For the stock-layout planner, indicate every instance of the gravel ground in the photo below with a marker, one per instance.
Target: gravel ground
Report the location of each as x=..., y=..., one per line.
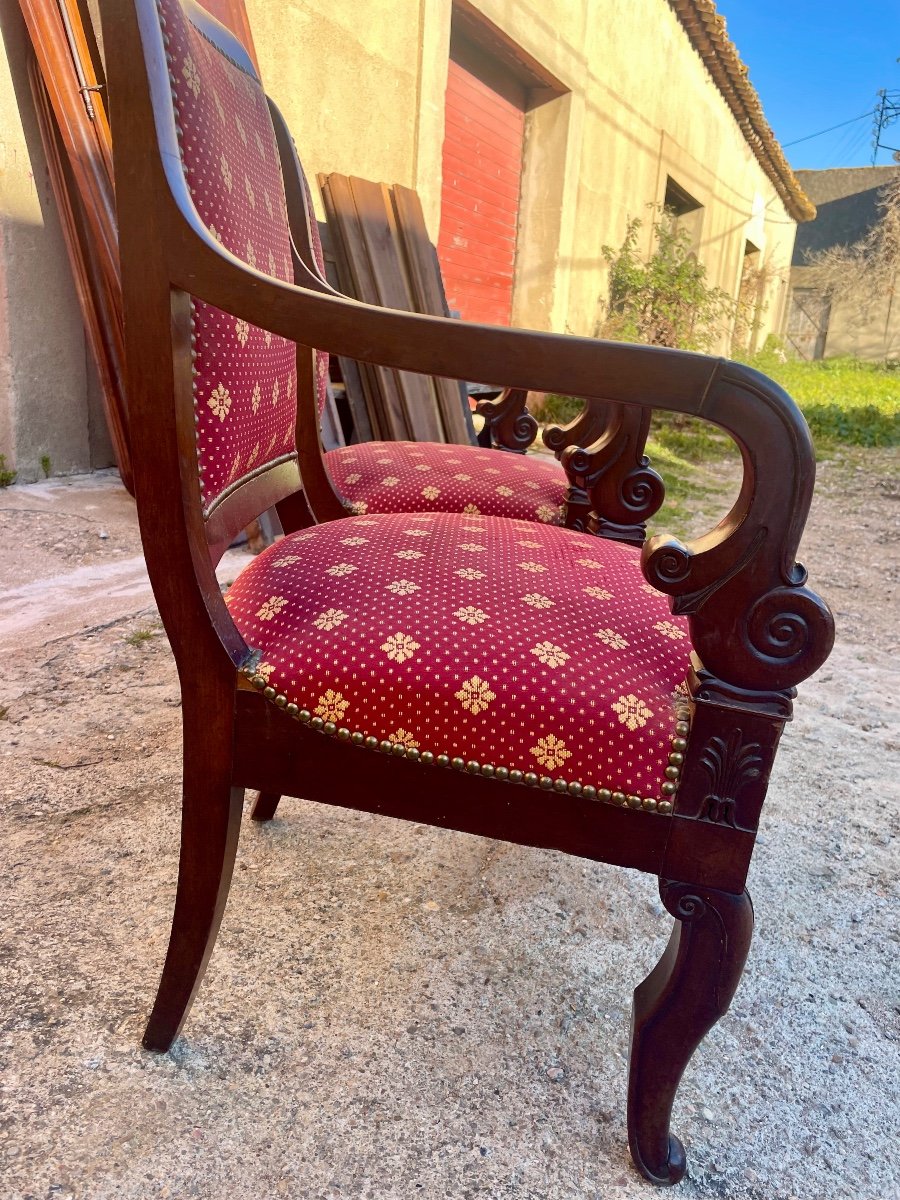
x=395, y=1011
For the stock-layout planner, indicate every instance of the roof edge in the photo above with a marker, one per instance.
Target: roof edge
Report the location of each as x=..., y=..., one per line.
x=706, y=30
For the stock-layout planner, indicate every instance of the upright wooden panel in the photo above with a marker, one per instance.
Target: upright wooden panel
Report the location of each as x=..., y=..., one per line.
x=355, y=389
x=428, y=296
x=384, y=257
x=382, y=390
x=66, y=85
x=482, y=170
x=378, y=228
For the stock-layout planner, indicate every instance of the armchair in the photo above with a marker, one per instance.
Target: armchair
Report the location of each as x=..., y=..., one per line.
x=602, y=719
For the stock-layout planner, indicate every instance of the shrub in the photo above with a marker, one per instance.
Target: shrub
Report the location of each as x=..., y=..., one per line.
x=665, y=301
x=6, y=477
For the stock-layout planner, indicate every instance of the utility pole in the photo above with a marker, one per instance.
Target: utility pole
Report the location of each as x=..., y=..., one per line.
x=887, y=111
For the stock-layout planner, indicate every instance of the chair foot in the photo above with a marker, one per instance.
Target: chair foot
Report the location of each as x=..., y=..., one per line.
x=210, y=823
x=265, y=806
x=681, y=999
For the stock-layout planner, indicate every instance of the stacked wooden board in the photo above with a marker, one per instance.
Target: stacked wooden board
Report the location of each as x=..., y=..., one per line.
x=383, y=255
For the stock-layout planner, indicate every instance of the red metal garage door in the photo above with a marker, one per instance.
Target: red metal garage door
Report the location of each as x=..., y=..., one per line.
x=482, y=169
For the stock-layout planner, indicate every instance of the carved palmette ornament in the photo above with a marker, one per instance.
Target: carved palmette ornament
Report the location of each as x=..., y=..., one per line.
x=731, y=763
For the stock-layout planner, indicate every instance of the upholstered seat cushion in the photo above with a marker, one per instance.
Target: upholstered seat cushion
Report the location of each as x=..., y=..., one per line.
x=384, y=477
x=530, y=649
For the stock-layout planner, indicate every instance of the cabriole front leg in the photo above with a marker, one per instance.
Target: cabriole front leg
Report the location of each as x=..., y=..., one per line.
x=681, y=999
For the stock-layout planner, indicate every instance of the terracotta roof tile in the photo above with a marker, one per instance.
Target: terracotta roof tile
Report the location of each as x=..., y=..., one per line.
x=706, y=29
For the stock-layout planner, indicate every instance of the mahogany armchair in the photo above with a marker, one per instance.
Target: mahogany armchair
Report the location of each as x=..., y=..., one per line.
x=629, y=704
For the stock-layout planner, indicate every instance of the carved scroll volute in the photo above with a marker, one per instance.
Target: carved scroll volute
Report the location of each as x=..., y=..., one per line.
x=753, y=622
x=623, y=491
x=511, y=424
x=586, y=429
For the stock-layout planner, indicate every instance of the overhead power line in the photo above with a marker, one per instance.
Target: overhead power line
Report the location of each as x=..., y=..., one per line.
x=830, y=129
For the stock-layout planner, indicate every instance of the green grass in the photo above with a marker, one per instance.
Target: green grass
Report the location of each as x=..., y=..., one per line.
x=685, y=480
x=846, y=401
x=139, y=636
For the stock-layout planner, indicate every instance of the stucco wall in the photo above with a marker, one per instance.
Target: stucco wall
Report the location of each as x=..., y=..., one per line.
x=362, y=87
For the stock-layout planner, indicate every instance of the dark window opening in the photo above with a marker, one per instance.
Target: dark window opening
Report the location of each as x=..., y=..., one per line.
x=684, y=211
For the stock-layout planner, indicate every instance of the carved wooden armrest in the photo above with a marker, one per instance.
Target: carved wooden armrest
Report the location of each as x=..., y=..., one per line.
x=754, y=623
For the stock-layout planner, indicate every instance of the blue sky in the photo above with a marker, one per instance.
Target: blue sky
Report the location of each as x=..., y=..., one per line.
x=816, y=63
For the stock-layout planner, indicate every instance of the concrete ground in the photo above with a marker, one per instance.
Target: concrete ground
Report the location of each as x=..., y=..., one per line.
x=394, y=1011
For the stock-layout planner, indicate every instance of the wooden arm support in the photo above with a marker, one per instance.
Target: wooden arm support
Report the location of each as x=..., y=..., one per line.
x=511, y=425
x=613, y=491
x=586, y=429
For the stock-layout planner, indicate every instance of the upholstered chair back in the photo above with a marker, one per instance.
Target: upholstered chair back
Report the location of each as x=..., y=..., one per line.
x=244, y=378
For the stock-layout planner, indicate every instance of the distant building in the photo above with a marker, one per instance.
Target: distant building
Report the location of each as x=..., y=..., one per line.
x=846, y=200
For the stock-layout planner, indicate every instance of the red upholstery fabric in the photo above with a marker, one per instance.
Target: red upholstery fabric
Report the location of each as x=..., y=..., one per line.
x=245, y=381
x=507, y=643
x=382, y=477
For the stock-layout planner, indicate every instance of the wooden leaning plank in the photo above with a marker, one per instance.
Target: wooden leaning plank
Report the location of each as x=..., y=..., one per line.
x=66, y=83
x=374, y=213
x=428, y=294
x=386, y=411
x=384, y=257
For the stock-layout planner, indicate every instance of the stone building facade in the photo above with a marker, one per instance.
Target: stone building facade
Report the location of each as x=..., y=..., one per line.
x=602, y=107
x=847, y=203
